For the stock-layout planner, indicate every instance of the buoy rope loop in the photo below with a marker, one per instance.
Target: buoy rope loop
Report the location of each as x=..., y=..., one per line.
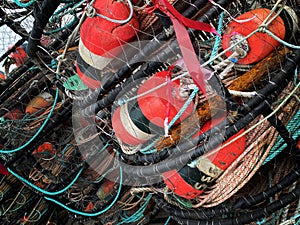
x=91, y=12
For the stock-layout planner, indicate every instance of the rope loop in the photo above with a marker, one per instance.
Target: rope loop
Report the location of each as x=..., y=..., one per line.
x=90, y=11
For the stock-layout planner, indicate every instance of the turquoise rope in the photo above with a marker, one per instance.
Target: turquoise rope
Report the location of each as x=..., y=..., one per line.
x=184, y=107
x=24, y=5
x=62, y=28
x=91, y=214
x=41, y=190
x=179, y=113
x=168, y=220
x=148, y=149
x=294, y=128
x=39, y=130
x=275, y=217
x=296, y=217
x=138, y=214
x=56, y=14
x=263, y=221
x=71, y=10
x=218, y=37
x=281, y=41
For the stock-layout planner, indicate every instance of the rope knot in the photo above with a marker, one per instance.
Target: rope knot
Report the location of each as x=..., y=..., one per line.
x=90, y=11
x=262, y=29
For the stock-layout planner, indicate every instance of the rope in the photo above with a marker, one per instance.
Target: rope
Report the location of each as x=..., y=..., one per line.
x=91, y=214
x=91, y=12
x=24, y=5
x=41, y=190
x=218, y=37
x=39, y=130
x=280, y=40
x=184, y=107
x=138, y=214
x=294, y=128
x=167, y=221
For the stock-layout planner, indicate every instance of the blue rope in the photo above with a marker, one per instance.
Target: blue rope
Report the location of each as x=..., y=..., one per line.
x=218, y=37
x=294, y=128
x=41, y=190
x=91, y=214
x=24, y=5
x=39, y=130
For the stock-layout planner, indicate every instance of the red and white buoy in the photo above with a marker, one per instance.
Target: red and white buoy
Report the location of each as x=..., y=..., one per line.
x=260, y=44
x=101, y=40
x=139, y=120
x=190, y=182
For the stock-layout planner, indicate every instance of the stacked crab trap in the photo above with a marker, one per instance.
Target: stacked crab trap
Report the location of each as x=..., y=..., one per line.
x=150, y=112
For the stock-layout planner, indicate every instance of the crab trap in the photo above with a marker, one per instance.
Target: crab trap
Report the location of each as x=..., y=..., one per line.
x=149, y=112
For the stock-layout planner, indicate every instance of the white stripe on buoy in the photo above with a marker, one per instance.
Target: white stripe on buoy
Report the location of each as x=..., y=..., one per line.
x=92, y=59
x=131, y=128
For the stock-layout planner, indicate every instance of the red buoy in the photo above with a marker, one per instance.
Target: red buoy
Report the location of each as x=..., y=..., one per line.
x=101, y=40
x=45, y=147
x=191, y=182
x=257, y=46
x=15, y=114
x=3, y=170
x=139, y=120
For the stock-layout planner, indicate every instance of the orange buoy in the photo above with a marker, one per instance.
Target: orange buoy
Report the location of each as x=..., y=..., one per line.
x=41, y=101
x=101, y=40
x=259, y=45
x=190, y=182
x=135, y=121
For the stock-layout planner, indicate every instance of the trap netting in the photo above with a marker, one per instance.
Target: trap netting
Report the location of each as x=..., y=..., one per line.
x=150, y=112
